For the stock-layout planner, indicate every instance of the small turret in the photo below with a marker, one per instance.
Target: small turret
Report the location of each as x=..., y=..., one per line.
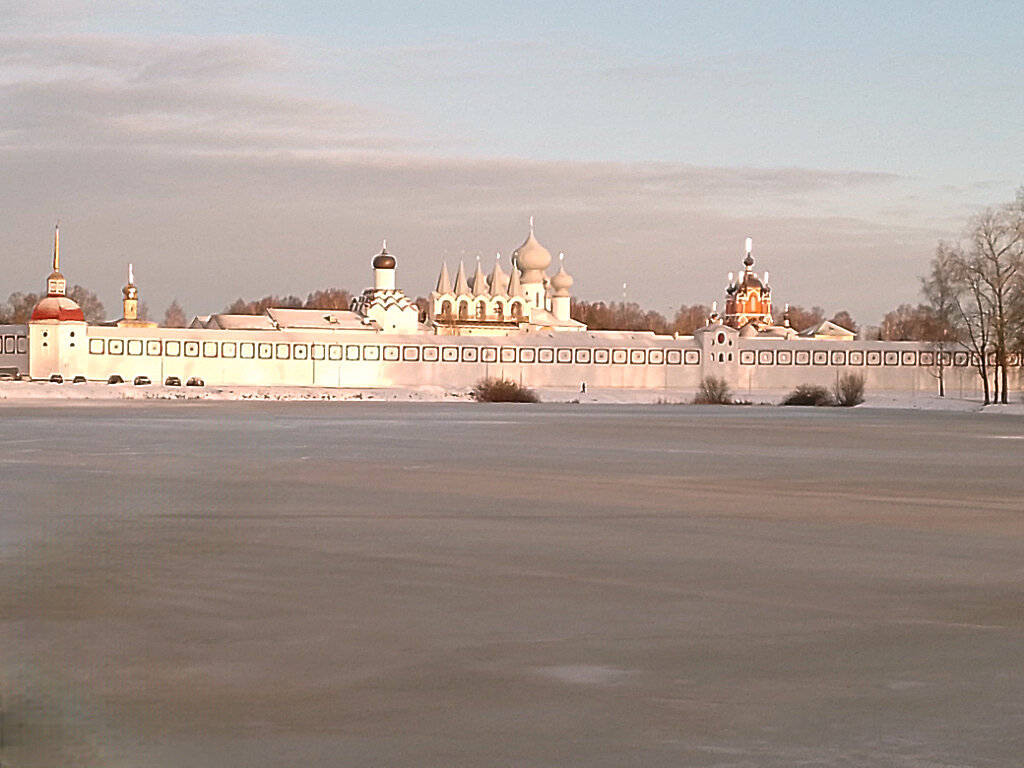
x=384, y=269
x=561, y=282
x=131, y=297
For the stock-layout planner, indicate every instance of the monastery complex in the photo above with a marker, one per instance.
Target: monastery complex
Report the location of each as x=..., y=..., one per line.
x=513, y=325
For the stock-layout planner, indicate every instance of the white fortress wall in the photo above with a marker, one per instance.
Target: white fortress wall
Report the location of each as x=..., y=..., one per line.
x=778, y=364
x=354, y=358
x=13, y=349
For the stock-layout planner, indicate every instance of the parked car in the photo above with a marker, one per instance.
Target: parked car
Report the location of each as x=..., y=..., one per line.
x=115, y=378
x=142, y=381
x=79, y=379
x=172, y=381
x=195, y=381
x=56, y=378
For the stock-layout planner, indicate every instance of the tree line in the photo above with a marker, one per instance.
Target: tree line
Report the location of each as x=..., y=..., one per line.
x=630, y=316
x=974, y=295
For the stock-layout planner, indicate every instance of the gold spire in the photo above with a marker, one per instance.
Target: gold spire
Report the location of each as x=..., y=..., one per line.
x=56, y=247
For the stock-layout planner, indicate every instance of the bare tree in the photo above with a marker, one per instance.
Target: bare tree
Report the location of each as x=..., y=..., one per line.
x=941, y=288
x=259, y=306
x=18, y=308
x=799, y=318
x=618, y=316
x=174, y=317
x=689, y=318
x=331, y=298
x=845, y=320
x=993, y=268
x=909, y=323
x=90, y=303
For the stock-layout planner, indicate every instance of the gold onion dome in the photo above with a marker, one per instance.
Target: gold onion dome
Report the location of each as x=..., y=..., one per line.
x=130, y=290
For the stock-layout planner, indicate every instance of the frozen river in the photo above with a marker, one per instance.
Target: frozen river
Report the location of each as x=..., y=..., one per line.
x=377, y=584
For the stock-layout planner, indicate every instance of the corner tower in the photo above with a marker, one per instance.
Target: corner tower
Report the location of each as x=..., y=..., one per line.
x=57, y=329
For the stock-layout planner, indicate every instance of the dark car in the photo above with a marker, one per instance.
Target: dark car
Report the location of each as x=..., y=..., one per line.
x=56, y=378
x=79, y=379
x=142, y=381
x=195, y=381
x=115, y=378
x=172, y=381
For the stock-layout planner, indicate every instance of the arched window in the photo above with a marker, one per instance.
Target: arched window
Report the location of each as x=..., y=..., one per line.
x=481, y=309
x=517, y=310
x=499, y=310
x=446, y=309
x=463, y=310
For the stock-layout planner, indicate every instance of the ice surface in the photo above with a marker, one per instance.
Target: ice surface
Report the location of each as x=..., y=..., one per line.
x=240, y=584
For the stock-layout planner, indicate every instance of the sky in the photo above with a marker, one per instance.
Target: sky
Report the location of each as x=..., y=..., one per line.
x=257, y=148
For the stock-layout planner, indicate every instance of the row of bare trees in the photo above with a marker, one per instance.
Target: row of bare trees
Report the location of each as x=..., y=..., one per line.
x=330, y=298
x=974, y=294
x=623, y=316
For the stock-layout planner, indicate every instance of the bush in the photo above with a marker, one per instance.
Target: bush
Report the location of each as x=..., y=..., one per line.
x=502, y=391
x=849, y=390
x=808, y=394
x=713, y=391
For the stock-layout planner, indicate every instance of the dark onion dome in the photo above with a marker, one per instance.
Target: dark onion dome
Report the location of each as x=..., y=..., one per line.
x=57, y=308
x=750, y=281
x=749, y=261
x=384, y=260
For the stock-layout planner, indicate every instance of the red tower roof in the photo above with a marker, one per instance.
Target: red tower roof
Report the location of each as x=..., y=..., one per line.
x=57, y=308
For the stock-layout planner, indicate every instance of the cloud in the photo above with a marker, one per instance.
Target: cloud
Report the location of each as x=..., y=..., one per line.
x=201, y=161
x=179, y=95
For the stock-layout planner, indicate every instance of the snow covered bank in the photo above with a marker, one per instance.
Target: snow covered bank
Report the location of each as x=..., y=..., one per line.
x=20, y=391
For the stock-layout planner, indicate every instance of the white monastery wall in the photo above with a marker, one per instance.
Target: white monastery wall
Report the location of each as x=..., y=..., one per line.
x=349, y=358
x=13, y=348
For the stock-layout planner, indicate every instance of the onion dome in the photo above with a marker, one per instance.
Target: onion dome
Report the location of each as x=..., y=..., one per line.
x=562, y=280
x=750, y=281
x=130, y=291
x=749, y=261
x=532, y=257
x=384, y=260
x=57, y=308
